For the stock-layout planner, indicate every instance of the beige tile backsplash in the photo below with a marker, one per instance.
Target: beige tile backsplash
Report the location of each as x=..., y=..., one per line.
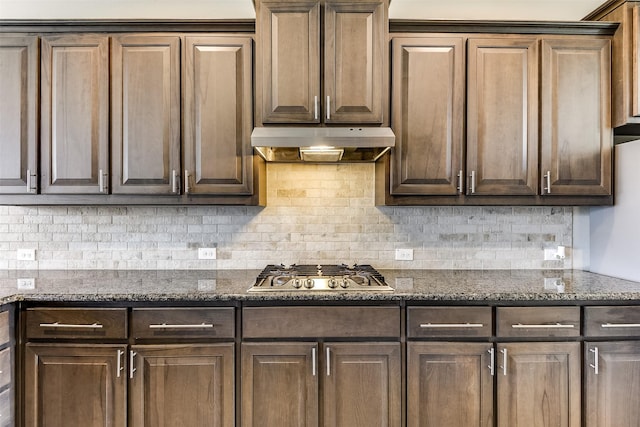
x=314, y=214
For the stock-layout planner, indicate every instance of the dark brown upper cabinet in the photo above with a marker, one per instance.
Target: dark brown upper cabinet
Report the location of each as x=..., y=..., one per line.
x=347, y=84
x=502, y=116
x=20, y=69
x=75, y=114
x=145, y=114
x=218, y=106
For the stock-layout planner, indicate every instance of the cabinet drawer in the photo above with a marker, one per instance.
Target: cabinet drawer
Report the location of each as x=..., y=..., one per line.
x=612, y=321
x=5, y=367
x=317, y=322
x=526, y=322
x=4, y=328
x=76, y=323
x=435, y=322
x=183, y=323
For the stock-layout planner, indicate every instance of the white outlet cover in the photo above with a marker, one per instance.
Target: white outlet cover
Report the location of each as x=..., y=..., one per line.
x=26, y=254
x=404, y=254
x=207, y=253
x=26, y=283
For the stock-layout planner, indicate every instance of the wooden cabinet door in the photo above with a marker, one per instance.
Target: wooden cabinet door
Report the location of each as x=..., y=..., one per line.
x=280, y=384
x=538, y=384
x=612, y=392
x=74, y=385
x=502, y=116
x=362, y=386
x=182, y=385
x=449, y=384
x=288, y=62
x=19, y=68
x=428, y=90
x=145, y=118
x=218, y=115
x=355, y=60
x=75, y=114
x=576, y=137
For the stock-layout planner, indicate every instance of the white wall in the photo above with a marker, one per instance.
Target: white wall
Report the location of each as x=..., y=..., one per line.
x=615, y=231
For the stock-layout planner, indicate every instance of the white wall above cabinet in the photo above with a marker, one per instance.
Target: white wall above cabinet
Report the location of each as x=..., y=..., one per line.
x=557, y=10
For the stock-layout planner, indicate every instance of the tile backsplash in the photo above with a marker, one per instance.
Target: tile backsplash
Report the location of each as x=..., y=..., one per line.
x=314, y=214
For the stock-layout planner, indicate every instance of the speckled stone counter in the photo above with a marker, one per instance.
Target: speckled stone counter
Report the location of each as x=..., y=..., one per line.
x=231, y=285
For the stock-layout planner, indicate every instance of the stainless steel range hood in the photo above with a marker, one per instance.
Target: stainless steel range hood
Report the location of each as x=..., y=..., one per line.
x=322, y=144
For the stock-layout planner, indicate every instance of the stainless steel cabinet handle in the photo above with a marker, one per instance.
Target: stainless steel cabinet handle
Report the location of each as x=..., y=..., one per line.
x=620, y=325
x=102, y=181
x=119, y=367
x=551, y=326
x=504, y=361
x=315, y=108
x=473, y=182
x=595, y=364
x=460, y=175
x=547, y=182
x=30, y=180
x=187, y=326
x=132, y=369
x=328, y=107
x=451, y=325
x=174, y=181
x=492, y=361
x=94, y=325
x=328, y=361
x=186, y=182
x=314, y=361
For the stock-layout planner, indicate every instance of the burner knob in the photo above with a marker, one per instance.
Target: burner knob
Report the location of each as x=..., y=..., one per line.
x=296, y=283
x=344, y=283
x=308, y=283
x=333, y=283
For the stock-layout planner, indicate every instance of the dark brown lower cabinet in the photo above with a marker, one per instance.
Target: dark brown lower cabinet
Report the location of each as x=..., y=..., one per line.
x=449, y=384
x=182, y=385
x=75, y=385
x=612, y=389
x=361, y=384
x=538, y=384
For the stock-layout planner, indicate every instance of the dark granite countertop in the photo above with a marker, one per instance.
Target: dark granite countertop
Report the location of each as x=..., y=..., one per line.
x=454, y=286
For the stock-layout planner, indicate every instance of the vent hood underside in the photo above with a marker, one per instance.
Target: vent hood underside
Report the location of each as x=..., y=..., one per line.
x=322, y=144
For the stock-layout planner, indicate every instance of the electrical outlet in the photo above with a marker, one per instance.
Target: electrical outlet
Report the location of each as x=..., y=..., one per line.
x=404, y=254
x=26, y=254
x=27, y=283
x=207, y=253
x=550, y=255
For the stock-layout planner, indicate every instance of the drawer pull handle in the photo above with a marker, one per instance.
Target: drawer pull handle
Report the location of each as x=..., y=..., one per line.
x=71, y=325
x=169, y=326
x=451, y=325
x=552, y=326
x=621, y=325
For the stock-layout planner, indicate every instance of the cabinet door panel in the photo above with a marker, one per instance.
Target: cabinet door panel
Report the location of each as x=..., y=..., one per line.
x=449, y=384
x=183, y=385
x=145, y=114
x=19, y=68
x=75, y=116
x=74, y=385
x=612, y=393
x=217, y=117
x=576, y=119
x=428, y=115
x=288, y=62
x=502, y=116
x=279, y=385
x=362, y=385
x=541, y=387
x=355, y=51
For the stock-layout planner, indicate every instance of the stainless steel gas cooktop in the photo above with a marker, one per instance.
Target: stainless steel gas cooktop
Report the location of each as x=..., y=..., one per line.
x=320, y=278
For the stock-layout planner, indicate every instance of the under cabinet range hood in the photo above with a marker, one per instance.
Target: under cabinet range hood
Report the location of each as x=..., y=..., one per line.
x=322, y=144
